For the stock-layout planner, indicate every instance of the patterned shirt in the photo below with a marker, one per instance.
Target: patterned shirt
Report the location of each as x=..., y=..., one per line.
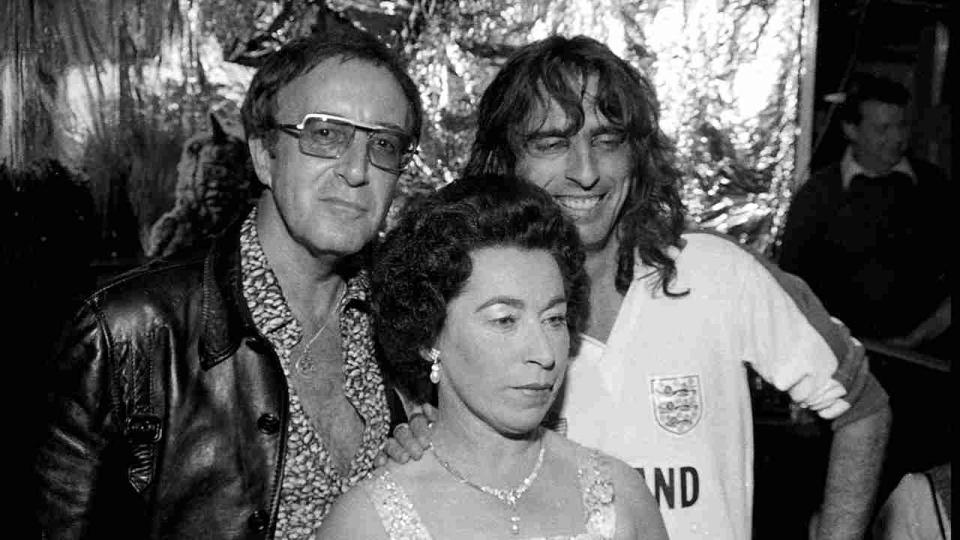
x=311, y=481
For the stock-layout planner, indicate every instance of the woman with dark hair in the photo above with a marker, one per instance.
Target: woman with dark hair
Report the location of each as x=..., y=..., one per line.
x=481, y=290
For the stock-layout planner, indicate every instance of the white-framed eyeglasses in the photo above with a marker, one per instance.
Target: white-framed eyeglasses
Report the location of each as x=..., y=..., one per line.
x=329, y=136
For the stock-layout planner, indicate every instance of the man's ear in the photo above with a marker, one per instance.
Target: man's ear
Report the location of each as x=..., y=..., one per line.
x=262, y=159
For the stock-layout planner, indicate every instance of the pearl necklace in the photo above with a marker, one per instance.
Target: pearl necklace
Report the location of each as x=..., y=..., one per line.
x=510, y=497
x=306, y=365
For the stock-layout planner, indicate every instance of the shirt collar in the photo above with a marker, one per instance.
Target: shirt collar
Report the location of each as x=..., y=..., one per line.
x=850, y=168
x=265, y=298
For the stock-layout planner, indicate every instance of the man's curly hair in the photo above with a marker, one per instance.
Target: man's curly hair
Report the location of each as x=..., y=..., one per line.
x=557, y=68
x=424, y=262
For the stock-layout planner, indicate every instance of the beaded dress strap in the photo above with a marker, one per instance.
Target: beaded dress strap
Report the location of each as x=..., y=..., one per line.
x=597, y=491
x=400, y=520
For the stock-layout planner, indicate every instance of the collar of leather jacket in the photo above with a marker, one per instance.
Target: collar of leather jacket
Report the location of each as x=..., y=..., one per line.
x=225, y=317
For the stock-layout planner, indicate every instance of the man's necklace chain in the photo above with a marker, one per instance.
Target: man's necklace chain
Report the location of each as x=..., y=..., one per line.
x=306, y=365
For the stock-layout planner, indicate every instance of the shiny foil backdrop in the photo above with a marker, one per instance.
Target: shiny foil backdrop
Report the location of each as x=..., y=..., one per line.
x=112, y=89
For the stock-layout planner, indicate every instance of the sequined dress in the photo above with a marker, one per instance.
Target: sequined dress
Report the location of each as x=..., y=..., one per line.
x=402, y=522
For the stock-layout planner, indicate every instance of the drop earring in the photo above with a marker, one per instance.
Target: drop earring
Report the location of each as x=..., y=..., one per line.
x=433, y=355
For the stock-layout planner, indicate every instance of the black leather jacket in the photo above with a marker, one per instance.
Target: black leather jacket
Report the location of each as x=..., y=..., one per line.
x=167, y=410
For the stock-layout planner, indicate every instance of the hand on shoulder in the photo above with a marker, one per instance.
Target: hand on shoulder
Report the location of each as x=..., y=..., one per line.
x=410, y=440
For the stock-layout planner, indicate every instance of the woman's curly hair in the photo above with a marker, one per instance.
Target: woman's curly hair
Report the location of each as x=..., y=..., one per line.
x=424, y=262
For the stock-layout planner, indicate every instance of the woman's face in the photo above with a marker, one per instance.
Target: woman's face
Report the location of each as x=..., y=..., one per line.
x=504, y=347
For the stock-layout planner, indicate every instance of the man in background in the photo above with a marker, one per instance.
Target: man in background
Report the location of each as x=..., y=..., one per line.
x=867, y=232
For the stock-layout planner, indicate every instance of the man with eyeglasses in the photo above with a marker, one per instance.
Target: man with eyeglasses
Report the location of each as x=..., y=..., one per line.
x=235, y=393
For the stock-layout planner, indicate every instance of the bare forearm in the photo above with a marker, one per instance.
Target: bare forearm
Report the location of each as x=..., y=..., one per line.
x=853, y=475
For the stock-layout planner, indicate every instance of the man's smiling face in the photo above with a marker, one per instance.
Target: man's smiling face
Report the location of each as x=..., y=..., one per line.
x=589, y=173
